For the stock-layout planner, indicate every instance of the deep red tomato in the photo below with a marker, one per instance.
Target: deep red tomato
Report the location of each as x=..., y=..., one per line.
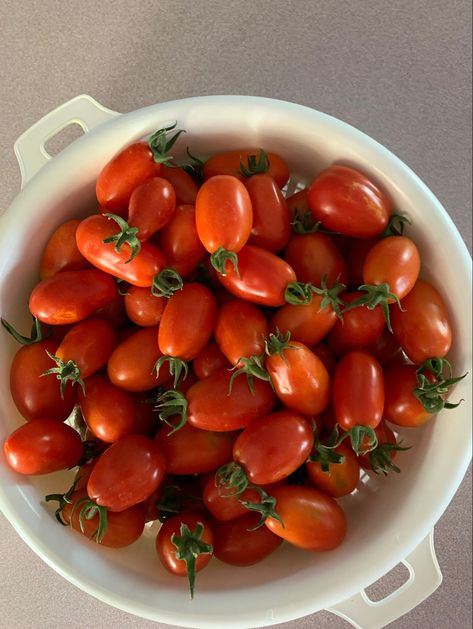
x=131, y=365
x=61, y=252
x=222, y=504
x=71, y=296
x=129, y=471
x=299, y=378
x=323, y=351
x=386, y=349
x=142, y=307
x=271, y=217
x=312, y=520
x=114, y=312
x=187, y=322
x=422, y=326
x=355, y=256
x=180, y=242
x=238, y=543
x=139, y=271
x=274, y=446
x=340, y=479
x=347, y=201
x=307, y=323
x=313, y=256
x=209, y=360
x=240, y=330
x=212, y=407
x=394, y=260
x=401, y=406
x=152, y=205
x=262, y=277
x=298, y=203
x=190, y=450
x=108, y=411
x=358, y=390
x=43, y=446
x=184, y=186
x=145, y=415
x=229, y=163
x=36, y=397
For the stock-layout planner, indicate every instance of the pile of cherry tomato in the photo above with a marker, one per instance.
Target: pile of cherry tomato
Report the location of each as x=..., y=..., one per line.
x=228, y=358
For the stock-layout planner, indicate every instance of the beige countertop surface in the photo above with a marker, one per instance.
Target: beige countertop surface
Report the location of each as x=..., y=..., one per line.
x=398, y=70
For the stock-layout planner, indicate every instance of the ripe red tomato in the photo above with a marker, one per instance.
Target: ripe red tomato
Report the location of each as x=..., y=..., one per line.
x=422, y=327
x=129, y=471
x=61, y=252
x=139, y=271
x=307, y=323
x=355, y=256
x=240, y=330
x=394, y=260
x=145, y=415
x=229, y=163
x=358, y=390
x=348, y=202
x=71, y=296
x=142, y=307
x=238, y=543
x=271, y=217
x=326, y=355
x=340, y=479
x=313, y=256
x=272, y=447
x=151, y=206
x=401, y=405
x=109, y=412
x=386, y=349
x=298, y=204
x=312, y=520
x=209, y=360
x=114, y=312
x=184, y=186
x=43, y=446
x=222, y=504
x=179, y=241
x=212, y=407
x=262, y=277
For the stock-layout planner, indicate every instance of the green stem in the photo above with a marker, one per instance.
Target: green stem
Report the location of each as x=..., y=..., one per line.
x=166, y=283
x=64, y=372
x=190, y=545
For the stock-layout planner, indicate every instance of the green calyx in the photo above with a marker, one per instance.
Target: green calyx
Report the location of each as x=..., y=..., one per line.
x=380, y=458
x=324, y=453
x=231, y=480
x=88, y=510
x=63, y=500
x=266, y=507
x=395, y=226
x=253, y=368
x=299, y=294
x=306, y=224
x=189, y=545
x=64, y=372
x=219, y=260
x=432, y=394
x=166, y=283
x=38, y=333
x=161, y=143
x=376, y=296
x=172, y=501
x=363, y=439
x=171, y=403
x=177, y=367
x=278, y=343
x=255, y=164
x=126, y=235
x=194, y=167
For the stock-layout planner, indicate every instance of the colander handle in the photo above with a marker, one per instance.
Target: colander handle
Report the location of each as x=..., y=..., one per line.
x=424, y=578
x=30, y=148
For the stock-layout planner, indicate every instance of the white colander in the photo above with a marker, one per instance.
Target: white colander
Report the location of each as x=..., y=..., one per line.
x=389, y=519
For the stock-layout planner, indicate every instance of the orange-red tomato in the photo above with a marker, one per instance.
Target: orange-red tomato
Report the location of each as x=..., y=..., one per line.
x=179, y=241
x=340, y=479
x=401, y=406
x=313, y=256
x=271, y=228
x=142, y=307
x=229, y=163
x=151, y=206
x=307, y=323
x=61, y=252
x=240, y=330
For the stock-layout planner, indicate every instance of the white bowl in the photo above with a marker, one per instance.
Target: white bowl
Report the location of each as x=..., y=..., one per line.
x=388, y=517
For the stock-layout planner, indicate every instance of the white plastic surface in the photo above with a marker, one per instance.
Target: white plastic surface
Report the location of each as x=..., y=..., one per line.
x=387, y=518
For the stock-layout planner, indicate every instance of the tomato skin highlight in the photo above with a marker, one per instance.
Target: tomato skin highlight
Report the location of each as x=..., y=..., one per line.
x=179, y=241
x=348, y=202
x=240, y=330
x=271, y=228
x=129, y=471
x=358, y=390
x=313, y=256
x=142, y=307
x=340, y=479
x=274, y=446
x=151, y=206
x=61, y=252
x=307, y=323
x=70, y=296
x=312, y=520
x=229, y=162
x=401, y=406
x=43, y=446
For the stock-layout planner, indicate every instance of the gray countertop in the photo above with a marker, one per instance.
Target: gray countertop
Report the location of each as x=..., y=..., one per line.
x=400, y=71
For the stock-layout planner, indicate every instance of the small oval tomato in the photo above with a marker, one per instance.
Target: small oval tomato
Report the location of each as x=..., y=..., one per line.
x=61, y=252
x=71, y=296
x=401, y=406
x=179, y=241
x=299, y=378
x=229, y=163
x=43, y=446
x=131, y=365
x=151, y=206
x=129, y=471
x=190, y=450
x=114, y=312
x=394, y=260
x=347, y=201
x=358, y=390
x=312, y=520
x=307, y=323
x=184, y=186
x=422, y=326
x=262, y=277
x=209, y=360
x=272, y=447
x=108, y=411
x=240, y=330
x=142, y=307
x=213, y=407
x=138, y=271
x=271, y=228
x=239, y=543
x=313, y=256
x=340, y=479
x=223, y=214
x=222, y=504
x=187, y=322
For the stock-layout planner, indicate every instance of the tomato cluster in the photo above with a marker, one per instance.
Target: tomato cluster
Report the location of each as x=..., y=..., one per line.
x=227, y=357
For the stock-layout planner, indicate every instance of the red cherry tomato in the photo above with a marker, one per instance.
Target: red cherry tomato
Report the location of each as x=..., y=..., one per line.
x=307, y=323
x=229, y=163
x=61, y=252
x=326, y=355
x=142, y=307
x=298, y=204
x=184, y=186
x=43, y=446
x=386, y=349
x=114, y=312
x=313, y=256
x=385, y=436
x=151, y=206
x=355, y=256
x=209, y=360
x=222, y=504
x=347, y=201
x=340, y=479
x=401, y=406
x=180, y=242
x=272, y=447
x=240, y=330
